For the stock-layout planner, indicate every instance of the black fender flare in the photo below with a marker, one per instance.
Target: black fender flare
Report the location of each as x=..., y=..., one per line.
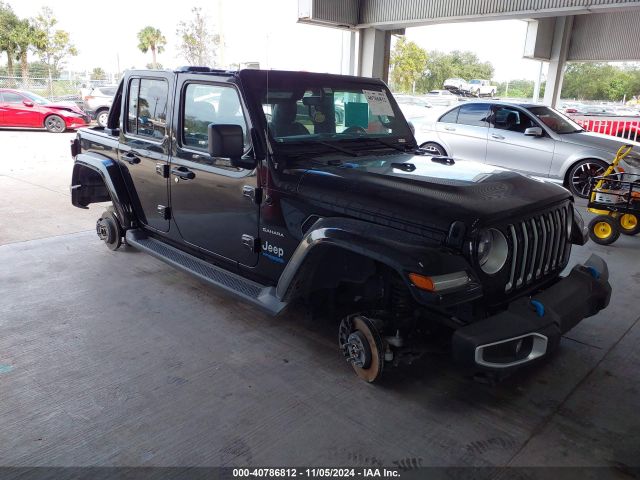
x=401, y=251
x=84, y=190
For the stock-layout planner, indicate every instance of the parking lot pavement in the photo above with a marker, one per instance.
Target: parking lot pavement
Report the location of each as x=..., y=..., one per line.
x=113, y=358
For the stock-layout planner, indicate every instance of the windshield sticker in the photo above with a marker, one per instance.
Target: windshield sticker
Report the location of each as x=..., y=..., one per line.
x=378, y=102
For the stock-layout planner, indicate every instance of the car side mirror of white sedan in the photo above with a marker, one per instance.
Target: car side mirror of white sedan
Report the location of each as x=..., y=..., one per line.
x=533, y=132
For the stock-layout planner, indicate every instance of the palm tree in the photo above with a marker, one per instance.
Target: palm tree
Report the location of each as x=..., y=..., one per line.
x=25, y=37
x=151, y=38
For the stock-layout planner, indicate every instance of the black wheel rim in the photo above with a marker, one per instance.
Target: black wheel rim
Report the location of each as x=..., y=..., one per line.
x=581, y=178
x=55, y=124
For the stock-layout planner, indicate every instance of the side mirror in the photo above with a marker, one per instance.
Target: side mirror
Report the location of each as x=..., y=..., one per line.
x=533, y=132
x=227, y=141
x=27, y=103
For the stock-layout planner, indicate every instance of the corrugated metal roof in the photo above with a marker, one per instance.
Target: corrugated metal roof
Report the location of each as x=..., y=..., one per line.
x=392, y=11
x=332, y=12
x=606, y=37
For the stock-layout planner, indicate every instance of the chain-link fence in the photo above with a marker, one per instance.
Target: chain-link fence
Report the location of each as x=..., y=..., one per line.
x=57, y=89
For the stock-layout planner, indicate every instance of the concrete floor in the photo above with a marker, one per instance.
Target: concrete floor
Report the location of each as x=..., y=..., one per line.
x=114, y=359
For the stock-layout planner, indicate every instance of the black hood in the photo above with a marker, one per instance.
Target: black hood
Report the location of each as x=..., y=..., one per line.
x=431, y=195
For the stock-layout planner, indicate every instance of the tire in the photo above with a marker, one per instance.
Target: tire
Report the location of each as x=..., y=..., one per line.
x=629, y=224
x=604, y=230
x=578, y=178
x=55, y=124
x=493, y=93
x=101, y=117
x=434, y=148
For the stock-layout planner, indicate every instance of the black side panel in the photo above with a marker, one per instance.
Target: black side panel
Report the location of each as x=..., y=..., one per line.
x=97, y=179
x=402, y=252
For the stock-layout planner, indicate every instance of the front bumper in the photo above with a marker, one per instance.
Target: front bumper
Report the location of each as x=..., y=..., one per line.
x=531, y=327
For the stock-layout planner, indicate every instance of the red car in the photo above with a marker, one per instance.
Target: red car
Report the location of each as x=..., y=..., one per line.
x=19, y=108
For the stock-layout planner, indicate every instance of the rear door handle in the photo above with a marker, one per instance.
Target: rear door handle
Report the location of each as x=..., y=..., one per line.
x=183, y=173
x=497, y=137
x=130, y=158
x=450, y=129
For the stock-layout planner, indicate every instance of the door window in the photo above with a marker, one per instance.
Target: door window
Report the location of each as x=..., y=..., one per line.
x=10, y=97
x=507, y=118
x=205, y=104
x=450, y=117
x=148, y=107
x=474, y=114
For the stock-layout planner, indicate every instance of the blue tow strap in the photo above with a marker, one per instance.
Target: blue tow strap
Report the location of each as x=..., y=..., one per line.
x=539, y=307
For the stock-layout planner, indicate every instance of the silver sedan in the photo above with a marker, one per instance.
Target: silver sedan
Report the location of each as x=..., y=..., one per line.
x=529, y=138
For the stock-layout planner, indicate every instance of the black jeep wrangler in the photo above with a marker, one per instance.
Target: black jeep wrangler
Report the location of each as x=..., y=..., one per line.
x=279, y=185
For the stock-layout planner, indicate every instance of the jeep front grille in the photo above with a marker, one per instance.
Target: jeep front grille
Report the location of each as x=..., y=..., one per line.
x=538, y=246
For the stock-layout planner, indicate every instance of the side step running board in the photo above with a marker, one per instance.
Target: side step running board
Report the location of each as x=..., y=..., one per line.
x=262, y=296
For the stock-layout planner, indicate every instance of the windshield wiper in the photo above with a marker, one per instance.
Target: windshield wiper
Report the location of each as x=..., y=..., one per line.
x=577, y=130
x=402, y=149
x=336, y=147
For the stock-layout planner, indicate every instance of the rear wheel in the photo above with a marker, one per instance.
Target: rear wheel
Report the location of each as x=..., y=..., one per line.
x=433, y=148
x=604, y=230
x=102, y=117
x=580, y=175
x=55, y=124
x=629, y=224
x=363, y=346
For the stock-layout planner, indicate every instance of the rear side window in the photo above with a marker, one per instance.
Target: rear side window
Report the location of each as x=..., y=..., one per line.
x=10, y=97
x=147, y=107
x=450, y=117
x=474, y=114
x=205, y=104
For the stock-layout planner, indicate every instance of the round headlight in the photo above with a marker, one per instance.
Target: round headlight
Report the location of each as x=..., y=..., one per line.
x=492, y=250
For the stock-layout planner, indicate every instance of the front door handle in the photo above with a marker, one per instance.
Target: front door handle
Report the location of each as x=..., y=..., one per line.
x=130, y=158
x=497, y=137
x=183, y=173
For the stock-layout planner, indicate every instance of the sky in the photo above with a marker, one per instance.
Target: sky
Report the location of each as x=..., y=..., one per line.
x=257, y=30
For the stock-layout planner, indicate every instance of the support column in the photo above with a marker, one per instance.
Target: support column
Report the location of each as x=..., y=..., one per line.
x=375, y=47
x=558, y=59
x=348, y=55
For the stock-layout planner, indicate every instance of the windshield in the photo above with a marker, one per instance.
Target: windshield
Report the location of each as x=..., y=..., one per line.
x=36, y=98
x=555, y=120
x=323, y=109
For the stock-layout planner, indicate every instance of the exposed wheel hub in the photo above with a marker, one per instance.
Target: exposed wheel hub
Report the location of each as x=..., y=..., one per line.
x=357, y=350
x=363, y=347
x=109, y=231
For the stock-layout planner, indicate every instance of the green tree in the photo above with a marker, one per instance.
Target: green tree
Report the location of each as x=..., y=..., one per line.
x=600, y=81
x=8, y=22
x=26, y=38
x=98, y=74
x=151, y=38
x=54, y=45
x=441, y=66
x=407, y=64
x=516, y=88
x=197, y=44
